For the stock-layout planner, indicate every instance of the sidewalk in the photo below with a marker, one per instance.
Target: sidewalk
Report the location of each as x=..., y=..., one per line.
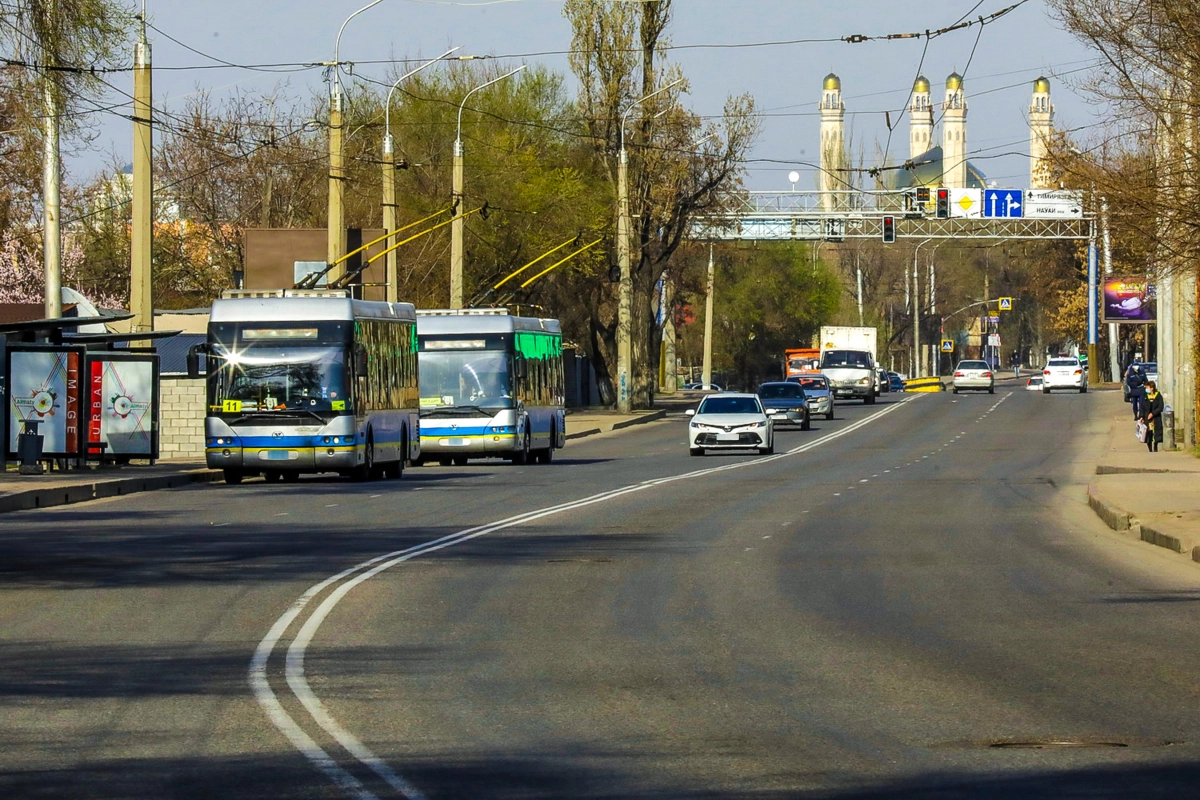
x=18, y=492
x=1154, y=495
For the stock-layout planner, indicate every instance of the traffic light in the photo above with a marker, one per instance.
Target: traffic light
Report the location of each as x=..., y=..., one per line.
x=943, y=203
x=922, y=194
x=889, y=229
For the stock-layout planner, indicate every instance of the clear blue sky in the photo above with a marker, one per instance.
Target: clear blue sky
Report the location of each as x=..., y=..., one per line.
x=1000, y=63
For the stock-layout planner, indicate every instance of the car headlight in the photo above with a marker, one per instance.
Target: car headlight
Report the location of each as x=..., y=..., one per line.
x=864, y=381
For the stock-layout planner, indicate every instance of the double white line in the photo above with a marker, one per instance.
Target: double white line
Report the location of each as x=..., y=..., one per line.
x=346, y=580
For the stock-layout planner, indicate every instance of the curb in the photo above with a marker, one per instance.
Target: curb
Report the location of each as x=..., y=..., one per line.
x=82, y=493
x=1112, y=516
x=639, y=420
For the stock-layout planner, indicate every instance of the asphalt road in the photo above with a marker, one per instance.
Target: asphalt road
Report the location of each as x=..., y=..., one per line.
x=897, y=607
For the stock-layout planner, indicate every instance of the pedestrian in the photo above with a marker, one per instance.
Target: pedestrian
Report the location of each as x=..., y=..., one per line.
x=1152, y=413
x=1136, y=388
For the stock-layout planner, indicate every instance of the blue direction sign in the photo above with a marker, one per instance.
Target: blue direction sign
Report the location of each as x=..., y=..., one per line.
x=1003, y=203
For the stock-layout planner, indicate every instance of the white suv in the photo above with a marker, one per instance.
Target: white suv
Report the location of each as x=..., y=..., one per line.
x=1064, y=373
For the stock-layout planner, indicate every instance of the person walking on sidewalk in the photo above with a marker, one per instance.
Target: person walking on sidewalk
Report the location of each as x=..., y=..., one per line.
x=1135, y=386
x=1152, y=411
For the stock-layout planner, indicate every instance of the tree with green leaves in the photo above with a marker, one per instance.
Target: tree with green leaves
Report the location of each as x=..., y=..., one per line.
x=680, y=169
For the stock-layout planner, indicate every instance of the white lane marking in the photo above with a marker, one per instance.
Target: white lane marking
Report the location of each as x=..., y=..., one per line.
x=294, y=662
x=864, y=480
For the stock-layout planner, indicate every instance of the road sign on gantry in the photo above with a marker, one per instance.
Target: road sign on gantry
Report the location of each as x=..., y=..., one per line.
x=947, y=345
x=1002, y=203
x=1054, y=204
x=966, y=203
x=1006, y=304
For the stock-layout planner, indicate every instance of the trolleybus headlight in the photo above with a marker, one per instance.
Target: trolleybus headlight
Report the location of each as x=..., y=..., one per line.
x=326, y=440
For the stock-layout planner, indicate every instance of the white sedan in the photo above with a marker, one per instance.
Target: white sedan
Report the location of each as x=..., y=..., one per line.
x=730, y=422
x=1064, y=372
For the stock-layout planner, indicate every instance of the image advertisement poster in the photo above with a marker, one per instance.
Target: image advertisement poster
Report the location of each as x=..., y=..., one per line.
x=1128, y=299
x=44, y=386
x=122, y=405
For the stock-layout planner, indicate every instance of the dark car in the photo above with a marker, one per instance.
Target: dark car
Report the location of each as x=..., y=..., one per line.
x=785, y=403
x=896, y=382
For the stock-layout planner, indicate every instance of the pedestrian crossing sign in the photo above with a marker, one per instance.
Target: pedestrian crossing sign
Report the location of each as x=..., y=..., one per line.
x=947, y=345
x=1006, y=304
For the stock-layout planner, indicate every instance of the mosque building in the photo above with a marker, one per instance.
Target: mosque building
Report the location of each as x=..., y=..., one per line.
x=935, y=165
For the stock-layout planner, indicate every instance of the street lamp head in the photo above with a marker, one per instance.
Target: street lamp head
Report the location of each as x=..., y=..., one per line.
x=462, y=105
x=387, y=108
x=336, y=89
x=639, y=101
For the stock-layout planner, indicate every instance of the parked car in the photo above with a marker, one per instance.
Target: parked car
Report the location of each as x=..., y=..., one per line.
x=730, y=421
x=1064, y=372
x=895, y=382
x=785, y=403
x=816, y=392
x=1150, y=370
x=1034, y=384
x=703, y=387
x=976, y=375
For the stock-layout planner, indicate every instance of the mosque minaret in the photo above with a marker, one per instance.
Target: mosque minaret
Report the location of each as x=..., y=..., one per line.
x=920, y=119
x=954, y=134
x=833, y=147
x=1041, y=127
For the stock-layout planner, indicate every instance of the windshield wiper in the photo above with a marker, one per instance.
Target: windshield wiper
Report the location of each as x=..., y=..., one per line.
x=452, y=411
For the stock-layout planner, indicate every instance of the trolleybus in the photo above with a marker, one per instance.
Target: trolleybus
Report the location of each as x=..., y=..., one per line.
x=309, y=381
x=491, y=386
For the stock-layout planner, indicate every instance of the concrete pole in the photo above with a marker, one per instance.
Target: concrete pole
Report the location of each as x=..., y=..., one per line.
x=1114, y=357
x=337, y=184
x=141, y=296
x=389, y=216
x=916, y=316
x=669, y=384
x=625, y=290
x=858, y=279
x=706, y=370
x=51, y=178
x=456, y=230
x=1093, y=330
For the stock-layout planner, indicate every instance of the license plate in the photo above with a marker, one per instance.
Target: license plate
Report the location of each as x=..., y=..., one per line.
x=278, y=455
x=727, y=437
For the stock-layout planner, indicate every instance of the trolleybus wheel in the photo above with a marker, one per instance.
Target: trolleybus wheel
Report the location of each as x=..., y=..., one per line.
x=521, y=457
x=366, y=470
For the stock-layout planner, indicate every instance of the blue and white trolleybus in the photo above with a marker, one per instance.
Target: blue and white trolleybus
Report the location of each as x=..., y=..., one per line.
x=491, y=386
x=309, y=381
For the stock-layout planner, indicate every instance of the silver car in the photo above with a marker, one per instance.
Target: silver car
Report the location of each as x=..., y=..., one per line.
x=974, y=375
x=816, y=392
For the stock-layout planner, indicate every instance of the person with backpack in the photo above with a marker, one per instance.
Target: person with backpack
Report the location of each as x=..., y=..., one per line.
x=1135, y=387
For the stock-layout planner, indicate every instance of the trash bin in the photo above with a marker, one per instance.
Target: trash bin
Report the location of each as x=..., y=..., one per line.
x=29, y=448
x=1168, y=428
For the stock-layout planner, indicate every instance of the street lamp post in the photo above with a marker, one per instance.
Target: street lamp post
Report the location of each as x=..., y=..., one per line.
x=625, y=291
x=336, y=241
x=389, y=179
x=456, y=227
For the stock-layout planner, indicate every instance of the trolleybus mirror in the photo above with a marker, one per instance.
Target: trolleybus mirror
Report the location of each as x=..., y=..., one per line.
x=519, y=368
x=193, y=361
x=360, y=360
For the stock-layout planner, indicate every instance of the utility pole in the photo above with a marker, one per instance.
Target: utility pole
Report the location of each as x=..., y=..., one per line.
x=51, y=178
x=1114, y=356
x=1093, y=331
x=625, y=290
x=389, y=214
x=706, y=371
x=141, y=297
x=456, y=227
x=916, y=312
x=336, y=221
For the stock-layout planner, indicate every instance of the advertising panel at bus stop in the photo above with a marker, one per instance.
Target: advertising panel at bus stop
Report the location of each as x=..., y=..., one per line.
x=45, y=386
x=1128, y=299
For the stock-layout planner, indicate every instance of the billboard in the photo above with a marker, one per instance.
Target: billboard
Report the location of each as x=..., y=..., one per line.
x=122, y=397
x=1128, y=299
x=44, y=386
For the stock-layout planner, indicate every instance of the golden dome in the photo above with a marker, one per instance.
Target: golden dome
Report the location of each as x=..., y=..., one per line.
x=955, y=81
x=921, y=84
x=832, y=82
x=1042, y=84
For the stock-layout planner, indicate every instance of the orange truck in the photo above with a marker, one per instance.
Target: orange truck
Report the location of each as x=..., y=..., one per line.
x=801, y=359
